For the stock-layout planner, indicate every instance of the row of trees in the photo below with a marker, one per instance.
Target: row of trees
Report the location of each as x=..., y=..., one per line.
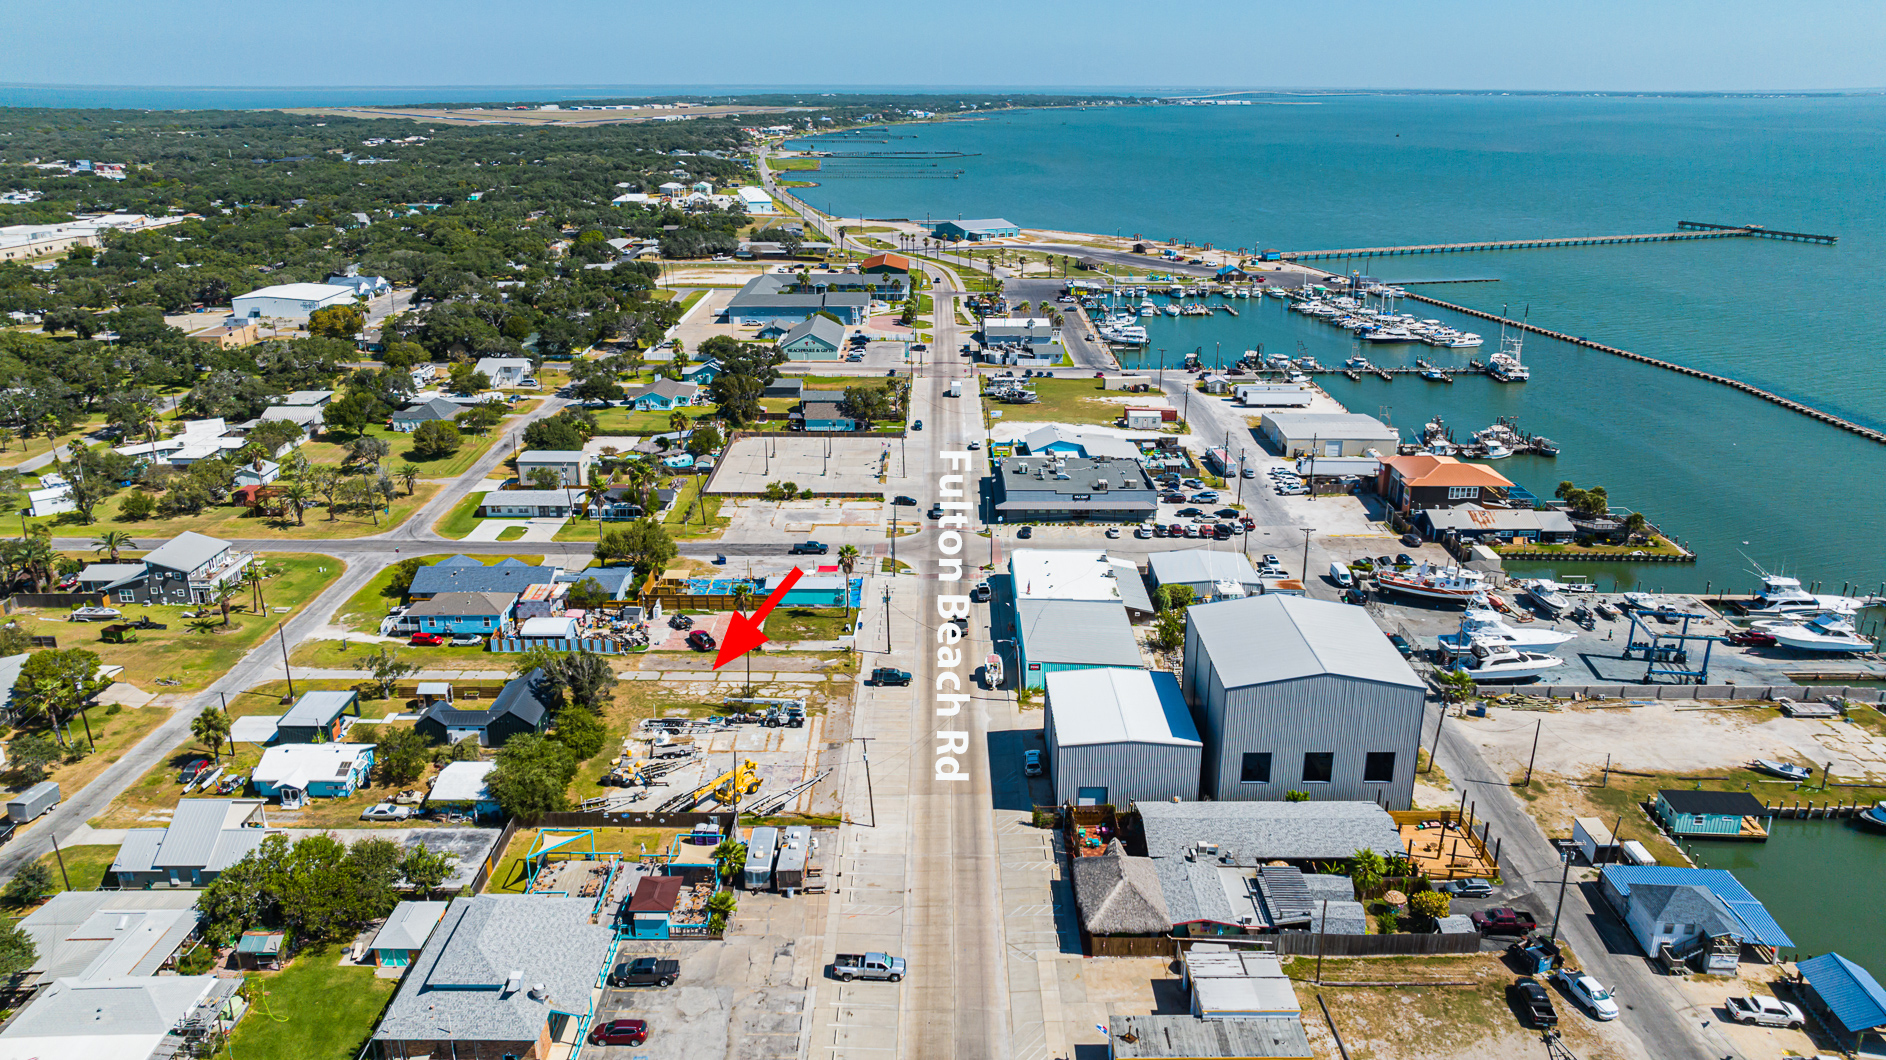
x=317, y=888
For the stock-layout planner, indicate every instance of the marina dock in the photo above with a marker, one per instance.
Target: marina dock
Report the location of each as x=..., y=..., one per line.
x=1687, y=230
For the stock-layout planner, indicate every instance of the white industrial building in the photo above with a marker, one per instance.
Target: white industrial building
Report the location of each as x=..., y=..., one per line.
x=1119, y=736
x=1326, y=433
x=290, y=301
x=756, y=200
x=1210, y=575
x=1295, y=694
x=1274, y=395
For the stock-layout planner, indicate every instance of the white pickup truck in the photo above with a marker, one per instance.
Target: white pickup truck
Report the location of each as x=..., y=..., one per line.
x=849, y=966
x=1763, y=1011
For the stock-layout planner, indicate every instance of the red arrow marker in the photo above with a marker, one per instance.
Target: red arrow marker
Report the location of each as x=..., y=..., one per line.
x=743, y=631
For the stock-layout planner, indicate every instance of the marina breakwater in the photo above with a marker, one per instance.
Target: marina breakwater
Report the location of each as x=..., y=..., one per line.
x=1696, y=373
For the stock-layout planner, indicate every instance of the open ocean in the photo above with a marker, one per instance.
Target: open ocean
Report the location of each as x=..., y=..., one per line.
x=1722, y=471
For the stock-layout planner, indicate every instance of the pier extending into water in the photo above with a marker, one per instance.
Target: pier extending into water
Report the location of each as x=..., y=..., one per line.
x=1747, y=388
x=1687, y=230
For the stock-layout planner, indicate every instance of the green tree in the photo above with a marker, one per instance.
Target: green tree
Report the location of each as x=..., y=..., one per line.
x=29, y=755
x=400, y=577
x=1296, y=796
x=408, y=475
x=588, y=594
x=644, y=544
x=465, y=378
x=437, y=439
x=336, y=322
x=730, y=856
x=17, y=951
x=545, y=478
x=27, y=885
x=1366, y=869
x=401, y=753
x=721, y=905
x=426, y=871
x=294, y=493
x=112, y=541
x=532, y=776
x=367, y=451
x=351, y=413
x=1456, y=685
x=212, y=727
x=1430, y=904
x=705, y=438
x=580, y=731
x=387, y=668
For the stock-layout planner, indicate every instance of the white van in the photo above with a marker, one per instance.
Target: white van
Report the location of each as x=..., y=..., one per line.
x=1339, y=574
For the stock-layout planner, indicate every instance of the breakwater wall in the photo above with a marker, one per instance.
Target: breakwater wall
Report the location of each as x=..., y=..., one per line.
x=1747, y=388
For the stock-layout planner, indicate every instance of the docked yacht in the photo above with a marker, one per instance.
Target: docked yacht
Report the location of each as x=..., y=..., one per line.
x=1782, y=595
x=1824, y=633
x=1497, y=664
x=1479, y=624
x=1360, y=364
x=1434, y=583
x=1390, y=334
x=1545, y=593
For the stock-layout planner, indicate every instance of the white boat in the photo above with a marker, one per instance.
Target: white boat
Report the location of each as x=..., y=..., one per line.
x=1642, y=601
x=1782, y=595
x=1485, y=624
x=1435, y=583
x=1493, y=664
x=1545, y=593
x=1360, y=364
x=1394, y=334
x=1172, y=310
x=1496, y=451
x=1826, y=633
x=1465, y=339
x=1148, y=309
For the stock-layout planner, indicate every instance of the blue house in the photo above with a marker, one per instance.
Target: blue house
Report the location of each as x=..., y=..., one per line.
x=297, y=772
x=701, y=374
x=318, y=717
x=663, y=395
x=463, y=574
x=775, y=298
x=975, y=231
x=824, y=411
x=1230, y=274
x=1717, y=814
x=452, y=614
x=652, y=907
x=816, y=339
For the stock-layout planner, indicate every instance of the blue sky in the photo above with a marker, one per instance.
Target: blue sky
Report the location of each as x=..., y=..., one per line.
x=1646, y=45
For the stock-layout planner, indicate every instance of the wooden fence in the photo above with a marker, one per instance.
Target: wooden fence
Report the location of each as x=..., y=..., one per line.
x=496, y=856
x=628, y=819
x=54, y=600
x=1288, y=943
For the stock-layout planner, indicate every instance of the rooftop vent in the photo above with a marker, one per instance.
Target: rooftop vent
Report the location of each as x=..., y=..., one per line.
x=539, y=991
x=513, y=982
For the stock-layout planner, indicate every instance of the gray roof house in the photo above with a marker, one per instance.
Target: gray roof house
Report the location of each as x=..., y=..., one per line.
x=1119, y=895
x=109, y=934
x=409, y=419
x=1295, y=694
x=502, y=974
x=1251, y=833
x=817, y=338
x=113, y=1019
x=405, y=932
x=318, y=717
x=187, y=569
x=1052, y=489
x=1205, y=571
x=775, y=297
x=205, y=836
x=462, y=574
x=1056, y=635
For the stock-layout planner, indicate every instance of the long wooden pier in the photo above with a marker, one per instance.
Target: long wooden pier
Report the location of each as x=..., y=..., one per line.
x=1747, y=388
x=1687, y=230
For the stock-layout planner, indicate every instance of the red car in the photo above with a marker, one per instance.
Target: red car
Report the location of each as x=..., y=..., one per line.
x=701, y=640
x=620, y=1032
x=1752, y=638
x=426, y=640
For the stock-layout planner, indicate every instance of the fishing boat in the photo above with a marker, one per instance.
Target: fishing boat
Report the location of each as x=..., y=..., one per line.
x=1873, y=816
x=1495, y=451
x=1483, y=625
x=1784, y=770
x=1434, y=583
x=1494, y=664
x=1360, y=364
x=1641, y=601
x=1782, y=595
x=1435, y=375
x=1392, y=334
x=1545, y=593
x=1823, y=634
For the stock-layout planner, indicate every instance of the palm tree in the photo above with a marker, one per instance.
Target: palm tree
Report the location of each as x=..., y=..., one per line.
x=847, y=562
x=222, y=595
x=212, y=727
x=1366, y=869
x=112, y=541
x=253, y=576
x=408, y=474
x=720, y=905
x=37, y=558
x=742, y=597
x=297, y=494
x=678, y=421
x=593, y=496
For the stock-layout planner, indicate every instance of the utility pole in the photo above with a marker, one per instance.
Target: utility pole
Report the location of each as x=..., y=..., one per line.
x=67, y=880
x=887, y=611
x=1306, y=555
x=1437, y=738
x=869, y=797
x=1565, y=876
x=1535, y=752
x=282, y=635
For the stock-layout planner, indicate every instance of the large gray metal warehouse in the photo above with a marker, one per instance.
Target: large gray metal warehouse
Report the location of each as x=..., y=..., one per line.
x=1120, y=736
x=1295, y=694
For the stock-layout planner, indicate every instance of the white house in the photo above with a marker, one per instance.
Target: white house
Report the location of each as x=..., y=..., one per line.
x=291, y=301
x=756, y=200
x=504, y=372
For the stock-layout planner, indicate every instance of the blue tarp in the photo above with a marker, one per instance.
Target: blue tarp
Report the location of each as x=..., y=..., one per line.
x=1721, y=883
x=1850, y=991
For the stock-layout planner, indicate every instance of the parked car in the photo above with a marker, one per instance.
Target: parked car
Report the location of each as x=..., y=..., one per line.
x=1227, y=513
x=916, y=425
x=1031, y=763
x=1189, y=513
x=701, y=640
x=890, y=675
x=1404, y=560
x=810, y=548
x=1406, y=649
x=981, y=592
x=849, y=966
x=1205, y=497
x=1752, y=638
x=386, y=811
x=1143, y=532
x=908, y=502
x=646, y=971
x=1466, y=888
x=1172, y=498
x=1592, y=995
x=1763, y=1011
x=620, y=1032
x=190, y=773
x=680, y=622
x=1504, y=921
x=426, y=640
x=1113, y=531
x=1532, y=999
x=1025, y=532
x=466, y=640
x=935, y=512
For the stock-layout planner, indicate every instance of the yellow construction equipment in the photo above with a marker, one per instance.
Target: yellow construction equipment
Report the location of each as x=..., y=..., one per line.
x=744, y=780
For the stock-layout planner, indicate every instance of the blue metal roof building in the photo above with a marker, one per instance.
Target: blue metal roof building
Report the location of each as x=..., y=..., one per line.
x=1617, y=880
x=1847, y=992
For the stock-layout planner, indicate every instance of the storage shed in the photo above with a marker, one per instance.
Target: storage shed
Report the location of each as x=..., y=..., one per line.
x=1118, y=736
x=1326, y=433
x=1845, y=996
x=1715, y=814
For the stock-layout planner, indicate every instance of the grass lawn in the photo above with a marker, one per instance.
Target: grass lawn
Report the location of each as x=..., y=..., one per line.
x=510, y=878
x=181, y=653
x=314, y=1009
x=85, y=866
x=780, y=165
x=627, y=421
x=808, y=623
x=1660, y=547
x=346, y=655
x=692, y=297
x=362, y=613
x=462, y=519
x=1067, y=401
x=233, y=521
x=510, y=533
x=334, y=451
x=18, y=452
x=684, y=523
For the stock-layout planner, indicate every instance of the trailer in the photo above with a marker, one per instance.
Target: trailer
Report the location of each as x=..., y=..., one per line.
x=795, y=850
x=32, y=802
x=992, y=671
x=955, y=389
x=761, y=848
x=1594, y=840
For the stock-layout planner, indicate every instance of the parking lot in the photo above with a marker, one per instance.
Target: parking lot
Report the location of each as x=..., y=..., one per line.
x=823, y=463
x=743, y=997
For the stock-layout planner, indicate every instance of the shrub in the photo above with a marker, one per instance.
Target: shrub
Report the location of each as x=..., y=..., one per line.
x=1296, y=796
x=33, y=880
x=1430, y=904
x=137, y=507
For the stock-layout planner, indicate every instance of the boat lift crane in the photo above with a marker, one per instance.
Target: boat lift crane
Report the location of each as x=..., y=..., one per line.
x=1668, y=654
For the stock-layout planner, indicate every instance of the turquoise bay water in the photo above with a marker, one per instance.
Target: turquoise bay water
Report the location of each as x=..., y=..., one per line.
x=1720, y=470
x=1820, y=879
